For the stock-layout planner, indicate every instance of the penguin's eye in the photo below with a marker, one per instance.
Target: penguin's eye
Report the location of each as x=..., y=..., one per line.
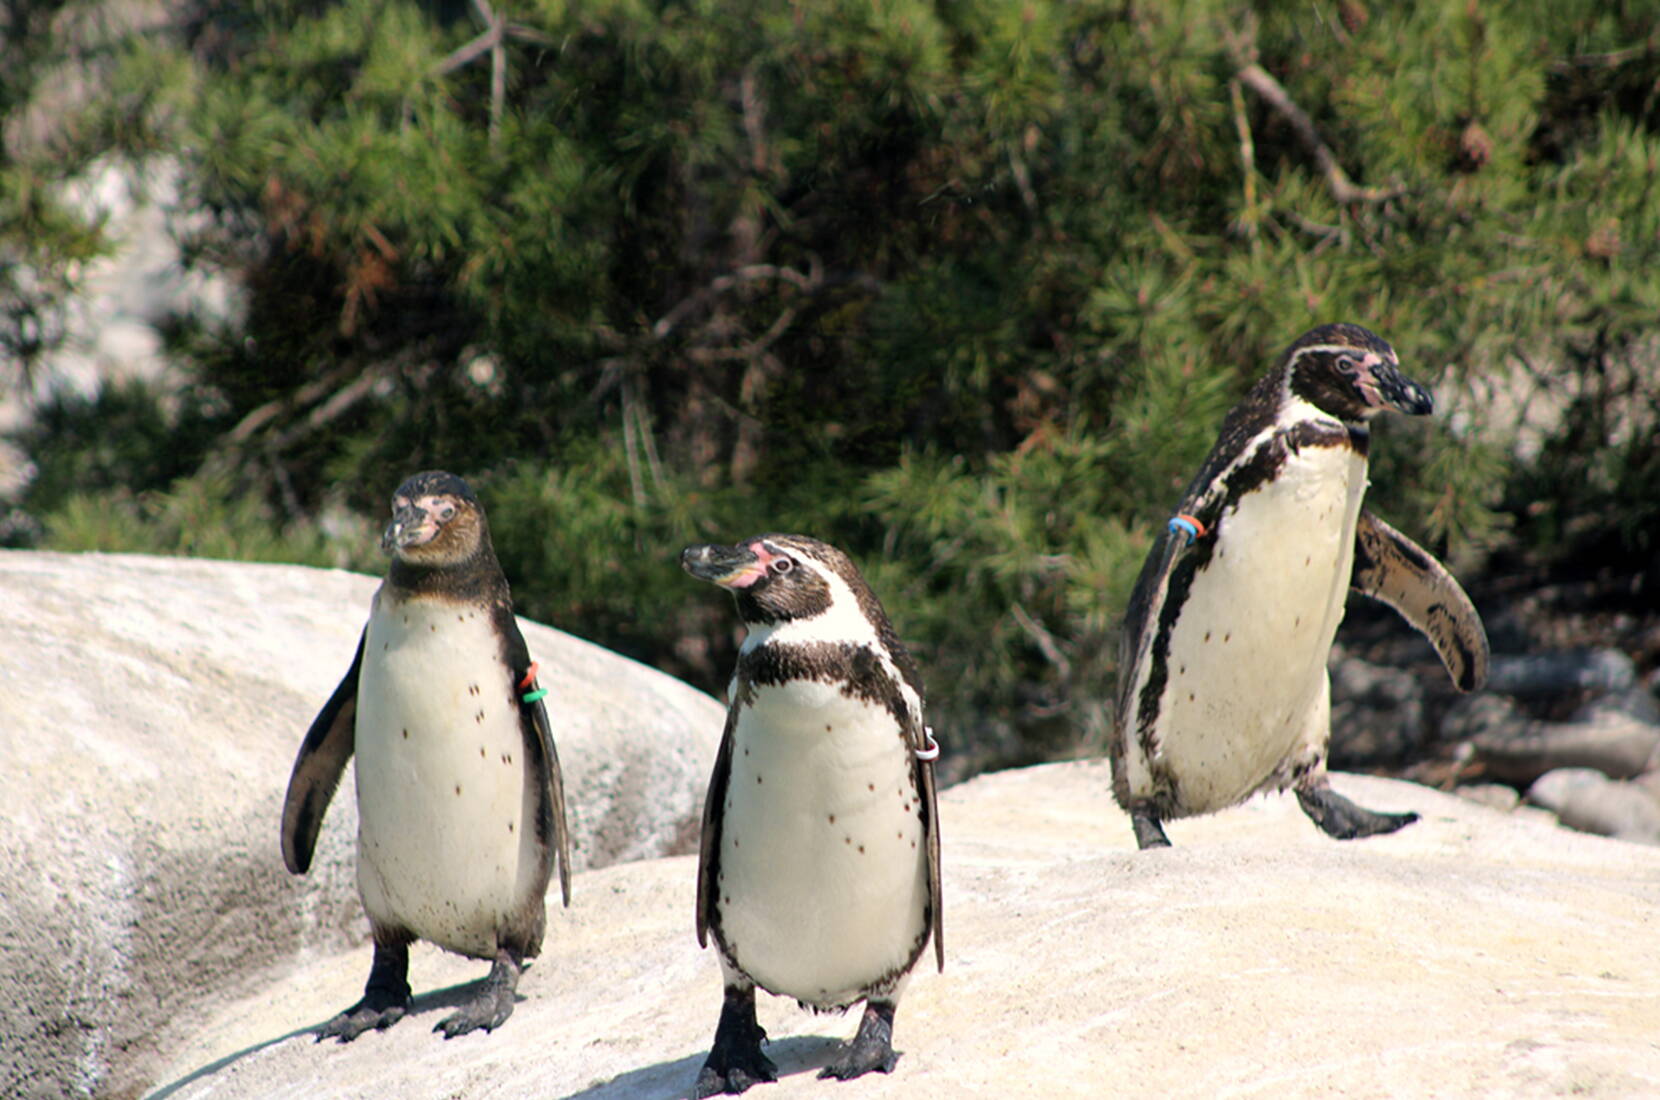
x=444, y=512
x=779, y=566
x=1347, y=366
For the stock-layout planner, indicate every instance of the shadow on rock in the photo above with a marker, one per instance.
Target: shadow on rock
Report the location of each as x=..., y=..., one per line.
x=674, y=1080
x=453, y=996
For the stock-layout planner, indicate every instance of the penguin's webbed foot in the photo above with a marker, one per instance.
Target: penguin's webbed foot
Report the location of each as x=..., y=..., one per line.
x=370, y=1013
x=385, y=1001
x=871, y=1049
x=1148, y=832
x=1342, y=819
x=493, y=1005
x=735, y=1060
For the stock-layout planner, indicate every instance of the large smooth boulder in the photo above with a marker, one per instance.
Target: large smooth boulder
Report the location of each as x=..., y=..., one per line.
x=150, y=710
x=1473, y=954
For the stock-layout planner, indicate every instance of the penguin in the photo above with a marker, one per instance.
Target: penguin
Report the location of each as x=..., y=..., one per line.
x=461, y=804
x=1223, y=689
x=819, y=867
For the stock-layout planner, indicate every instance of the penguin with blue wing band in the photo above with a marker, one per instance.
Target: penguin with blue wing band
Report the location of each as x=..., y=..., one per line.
x=1223, y=690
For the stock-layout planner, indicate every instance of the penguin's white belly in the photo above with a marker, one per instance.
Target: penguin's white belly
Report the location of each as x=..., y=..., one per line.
x=823, y=884
x=1247, y=659
x=443, y=849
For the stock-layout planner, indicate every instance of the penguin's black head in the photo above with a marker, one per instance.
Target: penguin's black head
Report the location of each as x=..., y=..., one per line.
x=781, y=578
x=1352, y=374
x=436, y=521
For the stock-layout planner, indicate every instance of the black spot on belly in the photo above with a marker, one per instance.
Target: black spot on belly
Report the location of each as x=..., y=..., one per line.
x=458, y=789
x=873, y=786
x=1207, y=635
x=861, y=849
x=406, y=735
x=481, y=752
x=509, y=826
x=479, y=717
x=832, y=819
x=757, y=780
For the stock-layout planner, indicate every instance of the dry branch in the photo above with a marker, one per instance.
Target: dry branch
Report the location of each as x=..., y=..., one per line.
x=1343, y=189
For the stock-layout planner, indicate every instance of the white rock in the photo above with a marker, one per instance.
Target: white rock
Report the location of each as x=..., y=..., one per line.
x=1587, y=800
x=150, y=710
x=1472, y=954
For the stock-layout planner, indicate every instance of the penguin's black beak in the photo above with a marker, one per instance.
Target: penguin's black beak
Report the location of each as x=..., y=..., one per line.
x=728, y=566
x=1383, y=386
x=410, y=526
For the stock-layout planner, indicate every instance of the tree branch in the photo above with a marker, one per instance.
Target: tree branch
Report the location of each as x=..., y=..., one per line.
x=1343, y=189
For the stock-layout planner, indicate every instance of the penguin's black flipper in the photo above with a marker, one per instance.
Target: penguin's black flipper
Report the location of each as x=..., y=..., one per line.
x=708, y=850
x=322, y=760
x=936, y=899
x=1392, y=568
x=553, y=781
x=1341, y=819
x=552, y=825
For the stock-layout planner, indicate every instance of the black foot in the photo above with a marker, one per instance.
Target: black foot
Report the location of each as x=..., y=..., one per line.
x=1344, y=820
x=493, y=1005
x=735, y=1062
x=385, y=998
x=1148, y=832
x=871, y=1049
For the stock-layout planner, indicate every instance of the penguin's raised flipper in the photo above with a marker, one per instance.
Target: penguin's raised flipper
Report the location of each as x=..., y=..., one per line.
x=871, y=1049
x=1390, y=567
x=322, y=760
x=735, y=1061
x=1341, y=818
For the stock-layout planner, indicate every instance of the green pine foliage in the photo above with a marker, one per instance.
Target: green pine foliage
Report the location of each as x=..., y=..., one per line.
x=965, y=288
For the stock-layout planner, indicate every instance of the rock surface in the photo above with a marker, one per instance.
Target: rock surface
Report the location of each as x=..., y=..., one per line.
x=1587, y=800
x=150, y=710
x=1472, y=954
x=1606, y=739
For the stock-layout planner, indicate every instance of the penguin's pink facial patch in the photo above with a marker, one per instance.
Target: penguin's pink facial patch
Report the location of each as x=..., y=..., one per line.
x=1362, y=372
x=753, y=572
